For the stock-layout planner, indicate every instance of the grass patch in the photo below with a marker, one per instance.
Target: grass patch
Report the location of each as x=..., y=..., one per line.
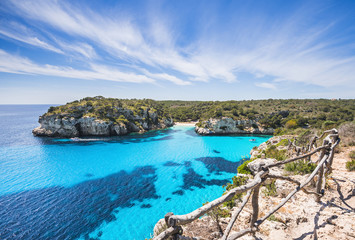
x=350, y=165
x=270, y=189
x=273, y=152
x=236, y=182
x=300, y=167
x=283, y=142
x=243, y=168
x=274, y=218
x=217, y=213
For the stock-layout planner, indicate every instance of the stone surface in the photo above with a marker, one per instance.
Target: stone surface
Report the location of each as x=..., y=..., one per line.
x=74, y=126
x=227, y=125
x=159, y=227
x=301, y=217
x=255, y=166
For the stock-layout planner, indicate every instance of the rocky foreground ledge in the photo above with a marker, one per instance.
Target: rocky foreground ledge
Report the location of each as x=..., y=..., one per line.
x=227, y=125
x=101, y=117
x=300, y=218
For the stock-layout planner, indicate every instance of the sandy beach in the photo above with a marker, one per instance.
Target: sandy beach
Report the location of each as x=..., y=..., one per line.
x=185, y=123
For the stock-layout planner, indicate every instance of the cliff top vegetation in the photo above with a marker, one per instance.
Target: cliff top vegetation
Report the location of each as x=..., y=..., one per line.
x=287, y=115
x=110, y=109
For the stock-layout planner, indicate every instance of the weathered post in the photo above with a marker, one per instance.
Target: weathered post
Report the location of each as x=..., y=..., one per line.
x=255, y=205
x=321, y=171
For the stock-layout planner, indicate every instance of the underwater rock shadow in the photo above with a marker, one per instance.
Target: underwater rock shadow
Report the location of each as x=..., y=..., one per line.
x=192, y=179
x=219, y=164
x=191, y=132
x=68, y=213
x=171, y=164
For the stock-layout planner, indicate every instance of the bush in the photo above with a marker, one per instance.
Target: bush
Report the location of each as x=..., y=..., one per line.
x=300, y=167
x=237, y=181
x=283, y=142
x=279, y=132
x=291, y=124
x=273, y=152
x=243, y=168
x=217, y=213
x=270, y=189
x=51, y=109
x=328, y=124
x=350, y=165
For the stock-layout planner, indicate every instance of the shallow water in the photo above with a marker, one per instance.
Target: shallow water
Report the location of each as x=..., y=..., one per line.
x=106, y=188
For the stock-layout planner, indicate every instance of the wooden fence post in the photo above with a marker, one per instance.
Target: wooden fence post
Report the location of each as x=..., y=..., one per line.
x=255, y=205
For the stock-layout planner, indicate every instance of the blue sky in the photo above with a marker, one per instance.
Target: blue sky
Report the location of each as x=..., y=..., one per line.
x=59, y=51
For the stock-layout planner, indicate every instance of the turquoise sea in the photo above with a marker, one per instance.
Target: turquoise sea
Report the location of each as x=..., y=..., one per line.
x=106, y=188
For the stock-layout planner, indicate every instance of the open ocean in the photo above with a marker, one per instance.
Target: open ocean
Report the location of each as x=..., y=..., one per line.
x=106, y=188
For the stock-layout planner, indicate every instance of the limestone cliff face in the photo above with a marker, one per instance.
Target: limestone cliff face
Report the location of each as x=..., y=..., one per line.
x=73, y=125
x=230, y=126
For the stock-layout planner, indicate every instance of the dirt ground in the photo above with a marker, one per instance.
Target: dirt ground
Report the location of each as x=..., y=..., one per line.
x=302, y=217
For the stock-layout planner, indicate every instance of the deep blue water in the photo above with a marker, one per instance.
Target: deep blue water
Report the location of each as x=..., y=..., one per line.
x=106, y=188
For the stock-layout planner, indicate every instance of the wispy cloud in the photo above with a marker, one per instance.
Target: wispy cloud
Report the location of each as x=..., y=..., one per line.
x=23, y=34
x=16, y=64
x=284, y=49
x=266, y=85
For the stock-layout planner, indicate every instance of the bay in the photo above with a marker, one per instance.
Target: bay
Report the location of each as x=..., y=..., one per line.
x=106, y=188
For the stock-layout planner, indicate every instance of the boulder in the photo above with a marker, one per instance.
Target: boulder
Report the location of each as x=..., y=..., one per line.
x=159, y=227
x=255, y=166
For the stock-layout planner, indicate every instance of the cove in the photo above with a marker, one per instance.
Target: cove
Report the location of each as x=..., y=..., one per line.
x=106, y=188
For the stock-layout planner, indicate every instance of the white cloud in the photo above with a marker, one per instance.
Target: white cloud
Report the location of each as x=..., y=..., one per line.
x=21, y=33
x=285, y=50
x=266, y=85
x=16, y=64
x=122, y=39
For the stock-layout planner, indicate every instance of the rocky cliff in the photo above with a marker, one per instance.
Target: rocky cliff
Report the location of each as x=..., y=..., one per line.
x=230, y=126
x=97, y=118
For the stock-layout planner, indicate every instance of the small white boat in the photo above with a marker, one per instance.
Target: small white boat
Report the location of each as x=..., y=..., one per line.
x=75, y=139
x=252, y=140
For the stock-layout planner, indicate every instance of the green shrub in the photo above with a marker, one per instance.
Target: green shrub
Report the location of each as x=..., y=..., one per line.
x=274, y=218
x=300, y=167
x=243, y=168
x=350, y=165
x=280, y=132
x=200, y=124
x=328, y=124
x=273, y=152
x=51, y=109
x=291, y=124
x=217, y=212
x=236, y=182
x=270, y=189
x=283, y=142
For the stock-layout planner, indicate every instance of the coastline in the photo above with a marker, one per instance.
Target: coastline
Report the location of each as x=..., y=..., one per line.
x=185, y=123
